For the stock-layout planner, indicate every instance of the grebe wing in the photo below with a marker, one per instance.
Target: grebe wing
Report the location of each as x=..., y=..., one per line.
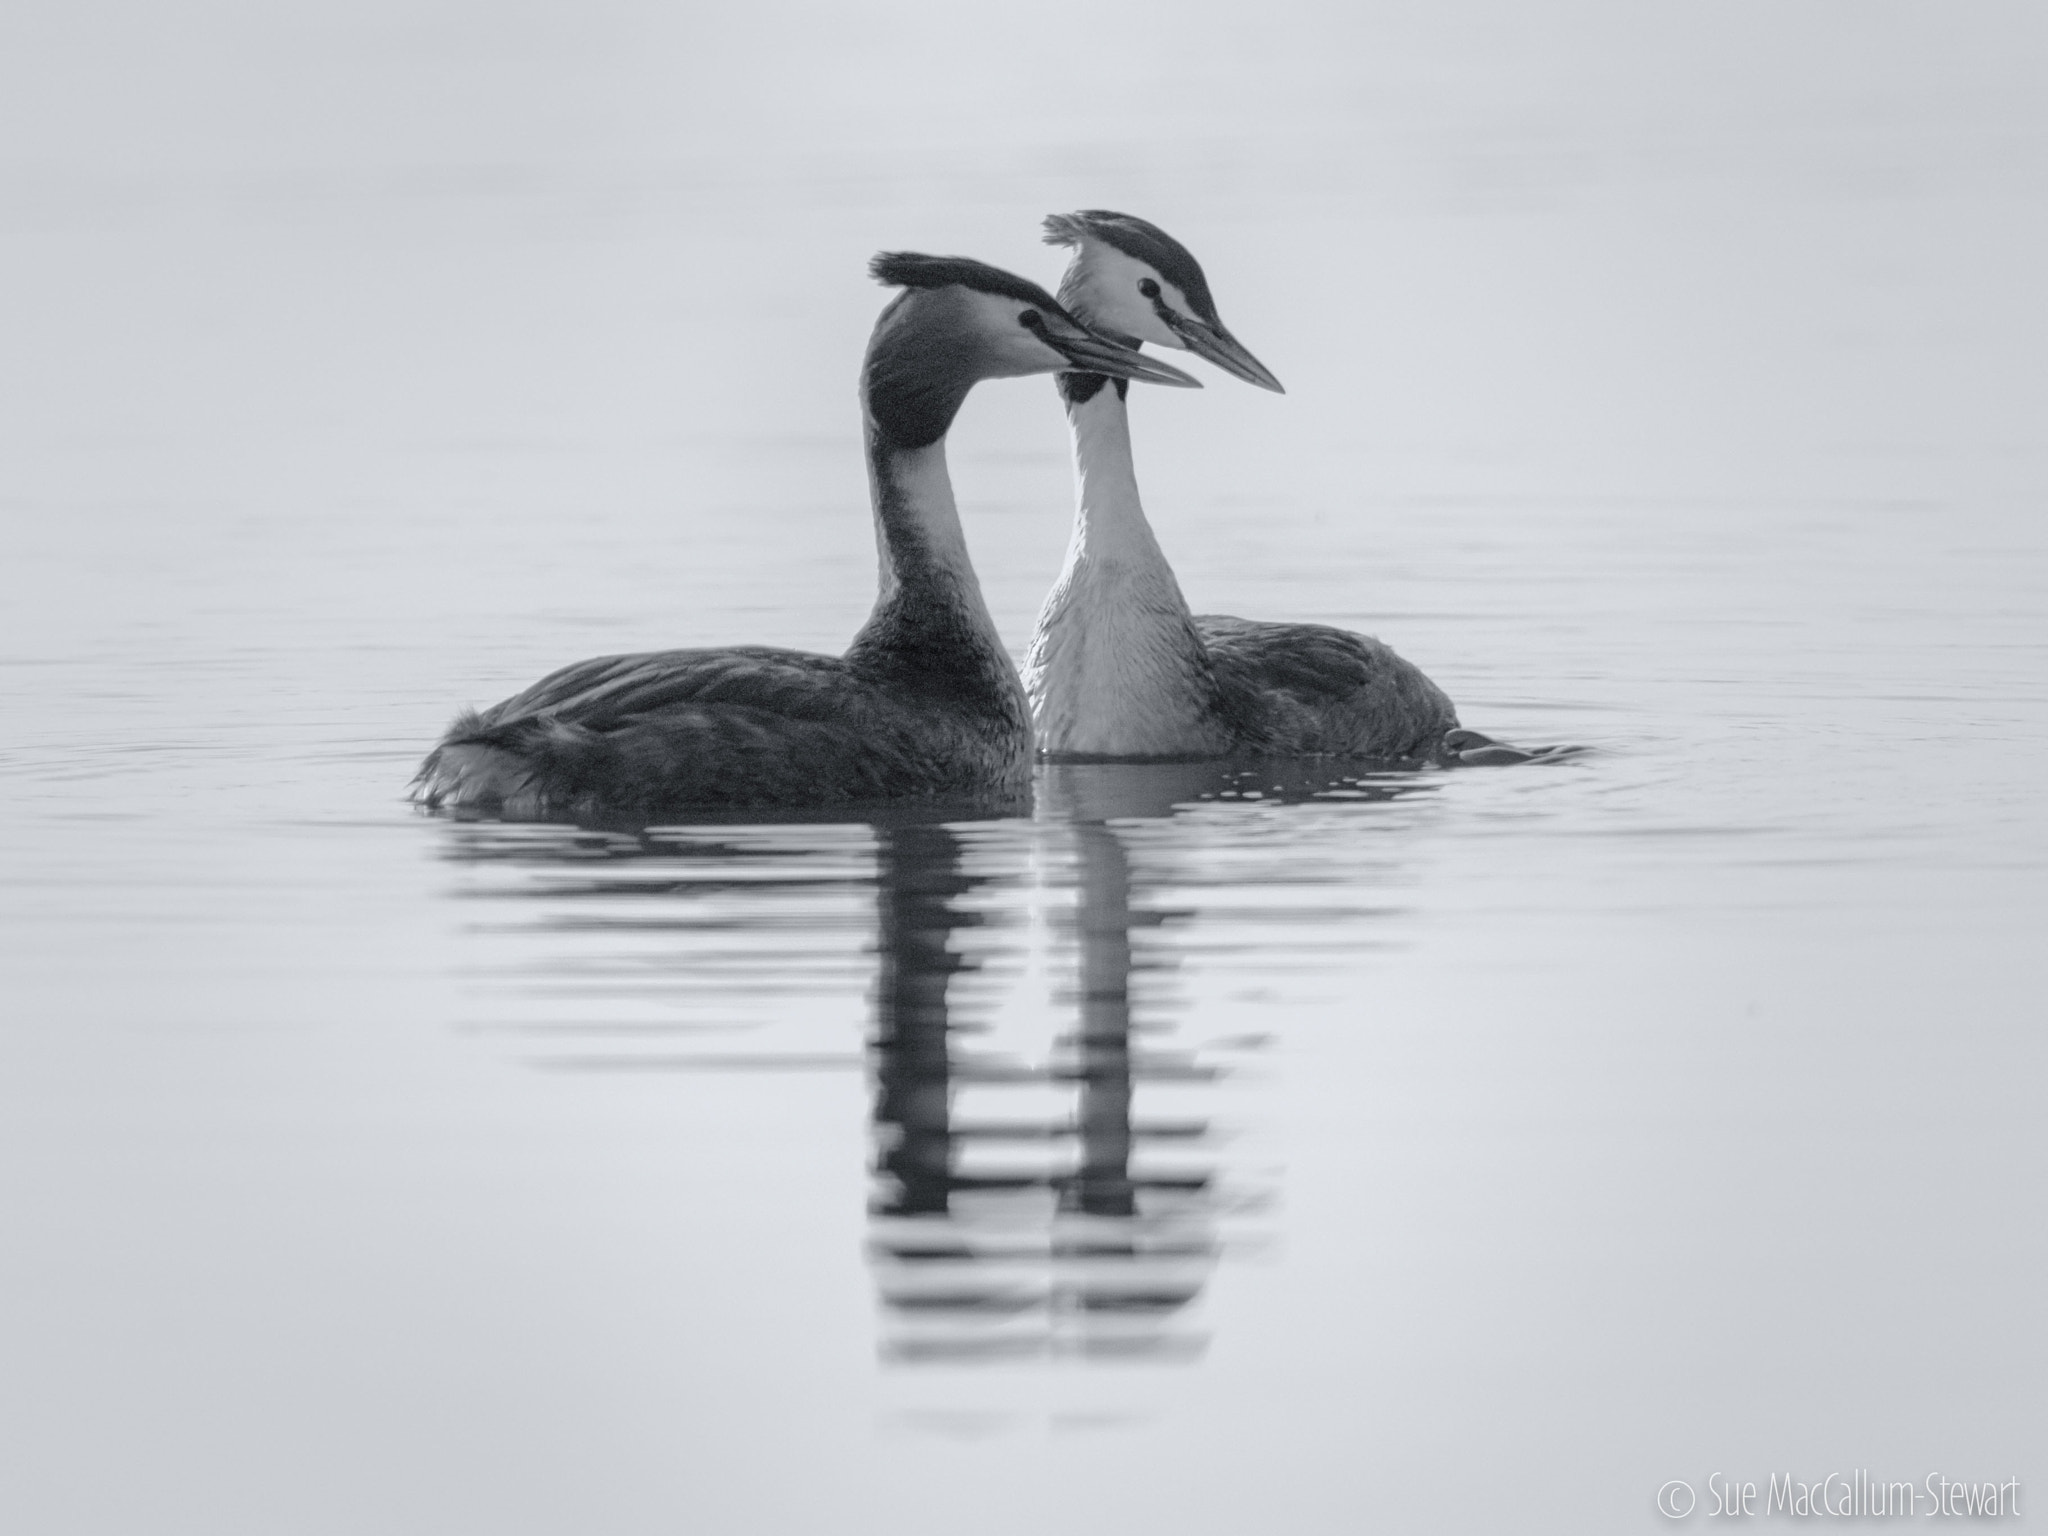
x=683, y=755
x=751, y=726
x=1316, y=689
x=610, y=687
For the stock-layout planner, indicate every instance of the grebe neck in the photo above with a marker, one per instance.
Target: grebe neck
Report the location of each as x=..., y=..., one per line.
x=1109, y=515
x=1116, y=668
x=930, y=622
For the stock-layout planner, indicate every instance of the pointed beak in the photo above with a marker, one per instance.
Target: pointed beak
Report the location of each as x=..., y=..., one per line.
x=1214, y=344
x=1091, y=353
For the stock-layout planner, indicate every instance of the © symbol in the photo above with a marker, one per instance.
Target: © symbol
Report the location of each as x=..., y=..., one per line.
x=1676, y=1499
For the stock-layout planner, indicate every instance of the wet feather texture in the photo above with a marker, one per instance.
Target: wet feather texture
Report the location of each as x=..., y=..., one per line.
x=1311, y=690
x=749, y=726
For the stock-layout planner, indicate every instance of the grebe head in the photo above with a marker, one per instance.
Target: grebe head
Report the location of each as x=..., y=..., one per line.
x=1134, y=281
x=958, y=322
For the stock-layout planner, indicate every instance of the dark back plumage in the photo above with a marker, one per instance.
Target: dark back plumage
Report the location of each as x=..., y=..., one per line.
x=1143, y=241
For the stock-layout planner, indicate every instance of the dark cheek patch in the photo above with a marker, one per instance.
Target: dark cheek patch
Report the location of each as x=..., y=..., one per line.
x=1080, y=388
x=914, y=413
x=915, y=385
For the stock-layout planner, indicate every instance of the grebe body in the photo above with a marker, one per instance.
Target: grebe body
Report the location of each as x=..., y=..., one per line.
x=1119, y=667
x=925, y=703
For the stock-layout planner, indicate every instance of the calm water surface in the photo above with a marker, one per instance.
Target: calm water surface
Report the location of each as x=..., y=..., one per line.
x=1209, y=1151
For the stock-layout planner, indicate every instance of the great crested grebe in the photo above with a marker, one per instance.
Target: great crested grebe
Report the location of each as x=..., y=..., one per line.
x=924, y=704
x=1119, y=667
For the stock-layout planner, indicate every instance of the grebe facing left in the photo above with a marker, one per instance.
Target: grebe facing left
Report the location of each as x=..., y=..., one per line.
x=1119, y=667
x=924, y=704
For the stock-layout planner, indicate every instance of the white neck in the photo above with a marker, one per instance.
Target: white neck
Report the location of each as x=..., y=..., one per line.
x=1116, y=668
x=1109, y=516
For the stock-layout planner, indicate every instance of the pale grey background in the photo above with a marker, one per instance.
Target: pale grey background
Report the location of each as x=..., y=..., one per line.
x=1663, y=378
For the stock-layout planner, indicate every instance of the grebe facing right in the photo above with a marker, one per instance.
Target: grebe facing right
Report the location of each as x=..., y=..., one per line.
x=1119, y=667
x=924, y=704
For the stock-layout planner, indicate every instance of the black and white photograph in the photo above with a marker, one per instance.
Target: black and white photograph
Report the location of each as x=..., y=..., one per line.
x=894, y=768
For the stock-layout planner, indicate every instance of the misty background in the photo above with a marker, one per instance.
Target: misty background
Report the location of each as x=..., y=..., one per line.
x=1663, y=380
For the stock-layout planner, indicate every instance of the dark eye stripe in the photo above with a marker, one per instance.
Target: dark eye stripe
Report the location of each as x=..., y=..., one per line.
x=1172, y=321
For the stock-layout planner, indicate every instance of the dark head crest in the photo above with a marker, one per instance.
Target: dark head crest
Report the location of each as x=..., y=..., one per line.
x=1142, y=241
x=912, y=269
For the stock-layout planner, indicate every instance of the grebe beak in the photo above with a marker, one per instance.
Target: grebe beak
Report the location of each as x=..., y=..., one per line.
x=1091, y=353
x=1214, y=344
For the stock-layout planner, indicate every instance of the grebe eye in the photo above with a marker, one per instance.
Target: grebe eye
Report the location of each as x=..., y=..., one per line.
x=1030, y=319
x=1148, y=288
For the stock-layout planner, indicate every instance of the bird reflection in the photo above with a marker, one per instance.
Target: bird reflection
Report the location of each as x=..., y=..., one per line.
x=1055, y=1254
x=1055, y=1194
x=1089, y=1251
x=918, y=874
x=1102, y=1184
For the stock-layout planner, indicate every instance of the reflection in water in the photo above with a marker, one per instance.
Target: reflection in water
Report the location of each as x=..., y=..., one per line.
x=1039, y=1192
x=1060, y=1254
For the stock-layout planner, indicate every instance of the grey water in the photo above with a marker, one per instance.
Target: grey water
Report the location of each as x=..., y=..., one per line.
x=1210, y=1150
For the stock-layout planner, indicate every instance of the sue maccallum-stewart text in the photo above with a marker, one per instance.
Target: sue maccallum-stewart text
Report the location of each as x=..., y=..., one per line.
x=1849, y=1494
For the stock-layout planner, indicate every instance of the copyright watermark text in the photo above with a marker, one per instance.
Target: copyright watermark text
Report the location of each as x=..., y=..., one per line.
x=1839, y=1496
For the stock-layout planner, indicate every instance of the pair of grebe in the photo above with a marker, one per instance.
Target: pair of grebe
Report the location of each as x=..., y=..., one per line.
x=926, y=704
